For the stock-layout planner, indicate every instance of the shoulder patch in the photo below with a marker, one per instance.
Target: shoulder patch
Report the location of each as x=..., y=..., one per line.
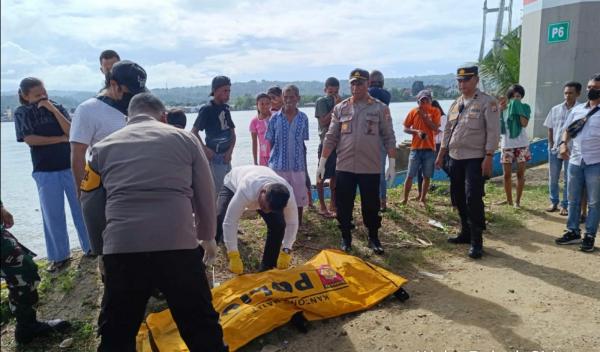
x=91, y=179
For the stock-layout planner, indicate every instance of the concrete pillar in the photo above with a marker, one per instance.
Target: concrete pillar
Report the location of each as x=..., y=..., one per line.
x=549, y=60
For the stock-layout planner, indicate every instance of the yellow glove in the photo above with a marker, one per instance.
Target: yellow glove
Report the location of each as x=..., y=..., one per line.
x=283, y=262
x=235, y=262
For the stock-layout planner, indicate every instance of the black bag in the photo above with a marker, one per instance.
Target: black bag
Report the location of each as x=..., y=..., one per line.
x=219, y=144
x=576, y=127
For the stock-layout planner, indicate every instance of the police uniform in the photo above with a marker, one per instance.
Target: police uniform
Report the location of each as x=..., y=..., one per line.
x=356, y=132
x=142, y=186
x=472, y=132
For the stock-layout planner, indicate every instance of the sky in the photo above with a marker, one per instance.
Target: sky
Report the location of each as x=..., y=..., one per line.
x=184, y=43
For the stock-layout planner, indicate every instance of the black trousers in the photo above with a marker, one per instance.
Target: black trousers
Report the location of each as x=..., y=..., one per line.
x=275, y=229
x=368, y=184
x=467, y=190
x=180, y=276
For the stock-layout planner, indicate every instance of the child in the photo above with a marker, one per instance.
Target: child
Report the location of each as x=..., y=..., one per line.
x=258, y=128
x=514, y=141
x=287, y=131
x=44, y=126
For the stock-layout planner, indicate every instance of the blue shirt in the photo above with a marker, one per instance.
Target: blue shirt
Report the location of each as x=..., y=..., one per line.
x=380, y=94
x=287, y=142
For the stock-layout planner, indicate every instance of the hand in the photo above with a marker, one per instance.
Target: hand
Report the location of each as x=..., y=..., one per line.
x=502, y=102
x=321, y=169
x=46, y=104
x=7, y=218
x=210, y=251
x=390, y=174
x=486, y=166
x=283, y=262
x=209, y=153
x=564, y=151
x=227, y=157
x=439, y=161
x=235, y=262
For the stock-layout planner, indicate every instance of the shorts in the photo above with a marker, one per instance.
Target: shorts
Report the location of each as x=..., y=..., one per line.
x=519, y=155
x=330, y=164
x=296, y=179
x=421, y=158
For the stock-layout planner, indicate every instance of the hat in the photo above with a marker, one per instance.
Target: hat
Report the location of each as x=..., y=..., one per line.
x=425, y=93
x=129, y=74
x=177, y=118
x=358, y=73
x=218, y=82
x=467, y=72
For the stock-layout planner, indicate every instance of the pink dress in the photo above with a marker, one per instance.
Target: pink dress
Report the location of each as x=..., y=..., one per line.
x=260, y=128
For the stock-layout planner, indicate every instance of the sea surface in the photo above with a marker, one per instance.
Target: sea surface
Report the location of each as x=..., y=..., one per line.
x=20, y=197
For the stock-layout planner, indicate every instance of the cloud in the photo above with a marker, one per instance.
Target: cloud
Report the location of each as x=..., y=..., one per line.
x=186, y=42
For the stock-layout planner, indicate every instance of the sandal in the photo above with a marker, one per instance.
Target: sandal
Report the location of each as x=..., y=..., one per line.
x=552, y=209
x=564, y=212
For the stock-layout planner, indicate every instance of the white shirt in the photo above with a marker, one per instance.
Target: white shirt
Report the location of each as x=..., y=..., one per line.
x=93, y=120
x=508, y=143
x=586, y=146
x=555, y=120
x=438, y=136
x=247, y=182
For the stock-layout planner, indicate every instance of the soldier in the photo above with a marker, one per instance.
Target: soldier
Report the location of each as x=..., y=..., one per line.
x=471, y=137
x=142, y=187
x=21, y=275
x=358, y=127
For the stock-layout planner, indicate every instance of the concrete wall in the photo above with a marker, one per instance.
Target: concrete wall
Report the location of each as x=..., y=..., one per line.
x=545, y=67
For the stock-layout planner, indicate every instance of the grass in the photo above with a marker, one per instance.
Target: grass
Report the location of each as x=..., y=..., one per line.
x=401, y=225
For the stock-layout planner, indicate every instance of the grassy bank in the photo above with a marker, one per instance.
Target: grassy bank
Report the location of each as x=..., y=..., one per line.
x=411, y=245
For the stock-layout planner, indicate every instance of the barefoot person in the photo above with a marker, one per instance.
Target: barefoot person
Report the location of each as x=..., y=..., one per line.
x=323, y=110
x=422, y=122
x=514, y=141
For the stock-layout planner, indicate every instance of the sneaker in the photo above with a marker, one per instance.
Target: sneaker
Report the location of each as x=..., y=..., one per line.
x=55, y=266
x=569, y=237
x=26, y=333
x=587, y=245
x=375, y=245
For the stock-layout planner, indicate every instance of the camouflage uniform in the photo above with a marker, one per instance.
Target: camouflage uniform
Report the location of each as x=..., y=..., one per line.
x=21, y=275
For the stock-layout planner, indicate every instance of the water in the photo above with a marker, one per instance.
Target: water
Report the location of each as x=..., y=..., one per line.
x=19, y=193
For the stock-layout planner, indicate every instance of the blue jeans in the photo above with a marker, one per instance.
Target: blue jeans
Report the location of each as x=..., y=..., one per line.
x=382, y=183
x=587, y=176
x=219, y=169
x=421, y=159
x=555, y=167
x=52, y=187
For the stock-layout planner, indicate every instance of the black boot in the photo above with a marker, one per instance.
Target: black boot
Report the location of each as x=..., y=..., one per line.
x=375, y=244
x=476, y=250
x=346, y=244
x=25, y=333
x=464, y=237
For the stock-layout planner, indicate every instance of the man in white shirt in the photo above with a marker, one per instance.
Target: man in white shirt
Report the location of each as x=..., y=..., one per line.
x=98, y=117
x=258, y=188
x=555, y=122
x=583, y=129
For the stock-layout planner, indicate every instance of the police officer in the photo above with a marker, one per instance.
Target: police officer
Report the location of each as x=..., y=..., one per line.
x=359, y=125
x=21, y=275
x=143, y=185
x=471, y=138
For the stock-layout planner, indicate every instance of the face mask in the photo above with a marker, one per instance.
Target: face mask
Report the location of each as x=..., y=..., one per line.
x=593, y=94
x=123, y=104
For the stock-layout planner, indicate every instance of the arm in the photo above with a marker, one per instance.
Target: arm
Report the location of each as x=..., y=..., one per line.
x=229, y=152
x=387, y=132
x=428, y=121
x=205, y=211
x=524, y=121
x=290, y=214
x=232, y=218
x=78, y=163
x=207, y=151
x=93, y=206
x=492, y=123
x=60, y=116
x=35, y=140
x=255, y=148
x=550, y=138
x=333, y=134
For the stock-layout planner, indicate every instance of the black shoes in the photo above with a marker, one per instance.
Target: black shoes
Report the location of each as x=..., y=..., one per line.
x=475, y=252
x=25, y=333
x=346, y=245
x=587, y=245
x=569, y=237
x=375, y=245
x=460, y=239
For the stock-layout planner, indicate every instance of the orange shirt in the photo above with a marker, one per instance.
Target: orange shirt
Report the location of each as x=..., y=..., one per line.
x=415, y=121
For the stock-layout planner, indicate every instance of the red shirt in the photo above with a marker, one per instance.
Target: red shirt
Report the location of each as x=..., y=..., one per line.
x=415, y=121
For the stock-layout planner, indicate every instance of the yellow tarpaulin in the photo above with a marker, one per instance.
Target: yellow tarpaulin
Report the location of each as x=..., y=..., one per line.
x=330, y=284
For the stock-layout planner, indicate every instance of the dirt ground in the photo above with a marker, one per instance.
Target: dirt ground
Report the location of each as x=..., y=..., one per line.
x=526, y=294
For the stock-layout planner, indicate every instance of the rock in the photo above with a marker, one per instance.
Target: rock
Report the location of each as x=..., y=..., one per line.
x=387, y=328
x=344, y=333
x=511, y=291
x=67, y=343
x=270, y=348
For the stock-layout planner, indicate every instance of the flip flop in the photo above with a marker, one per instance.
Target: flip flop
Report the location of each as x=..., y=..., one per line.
x=326, y=214
x=564, y=212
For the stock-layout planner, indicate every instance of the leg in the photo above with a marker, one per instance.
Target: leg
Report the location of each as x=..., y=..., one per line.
x=520, y=181
x=219, y=170
x=554, y=166
x=332, y=192
x=52, y=203
x=71, y=192
x=420, y=182
x=457, y=190
x=346, y=183
x=576, y=184
x=181, y=276
x=474, y=193
x=414, y=164
x=300, y=209
x=427, y=173
x=592, y=186
x=507, y=169
x=369, y=204
x=584, y=202
x=565, y=201
x=382, y=183
x=407, y=187
x=223, y=200
x=127, y=287
x=275, y=231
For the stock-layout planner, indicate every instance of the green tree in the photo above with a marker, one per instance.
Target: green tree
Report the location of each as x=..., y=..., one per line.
x=499, y=69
